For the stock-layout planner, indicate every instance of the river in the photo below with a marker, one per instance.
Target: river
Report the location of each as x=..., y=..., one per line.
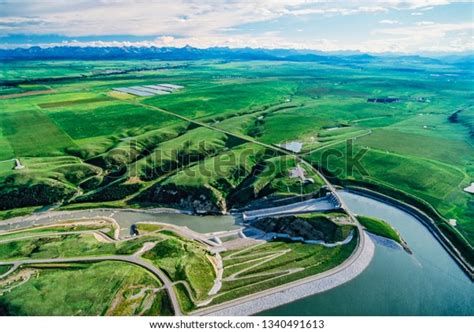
x=428, y=282
x=201, y=224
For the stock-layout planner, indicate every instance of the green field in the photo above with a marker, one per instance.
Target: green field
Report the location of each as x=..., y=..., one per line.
x=33, y=133
x=184, y=262
x=78, y=289
x=379, y=227
x=202, y=147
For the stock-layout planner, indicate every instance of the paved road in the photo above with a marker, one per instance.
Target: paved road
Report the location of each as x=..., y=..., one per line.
x=129, y=259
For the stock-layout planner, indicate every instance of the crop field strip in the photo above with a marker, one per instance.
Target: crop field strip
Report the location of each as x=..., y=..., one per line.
x=74, y=102
x=32, y=133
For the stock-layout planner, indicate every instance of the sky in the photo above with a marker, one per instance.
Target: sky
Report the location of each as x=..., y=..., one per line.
x=410, y=26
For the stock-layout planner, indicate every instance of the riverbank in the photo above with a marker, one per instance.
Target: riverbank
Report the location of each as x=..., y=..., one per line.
x=57, y=213
x=299, y=289
x=419, y=215
x=127, y=217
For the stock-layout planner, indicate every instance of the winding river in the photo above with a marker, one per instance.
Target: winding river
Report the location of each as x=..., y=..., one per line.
x=428, y=282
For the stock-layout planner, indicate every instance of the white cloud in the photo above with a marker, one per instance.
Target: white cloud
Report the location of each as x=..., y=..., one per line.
x=426, y=29
x=424, y=23
x=416, y=14
x=388, y=22
x=429, y=36
x=215, y=22
x=177, y=17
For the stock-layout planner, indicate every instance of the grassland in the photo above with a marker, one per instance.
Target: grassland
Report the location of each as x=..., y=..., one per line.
x=84, y=146
x=78, y=289
x=183, y=261
x=379, y=227
x=60, y=246
x=4, y=268
x=106, y=227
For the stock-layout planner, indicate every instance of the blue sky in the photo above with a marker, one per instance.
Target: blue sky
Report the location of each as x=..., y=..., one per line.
x=410, y=26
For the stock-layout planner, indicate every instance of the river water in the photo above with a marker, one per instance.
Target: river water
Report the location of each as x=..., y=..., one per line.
x=428, y=282
x=201, y=224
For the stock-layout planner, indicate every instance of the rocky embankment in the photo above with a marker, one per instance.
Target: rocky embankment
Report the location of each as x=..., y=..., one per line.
x=200, y=200
x=328, y=227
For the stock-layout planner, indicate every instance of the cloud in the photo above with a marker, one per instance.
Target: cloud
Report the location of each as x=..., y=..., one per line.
x=186, y=17
x=426, y=29
x=214, y=22
x=388, y=22
x=416, y=14
x=429, y=36
x=424, y=23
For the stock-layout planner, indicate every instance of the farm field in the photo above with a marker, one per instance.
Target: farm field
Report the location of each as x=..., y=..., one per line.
x=214, y=145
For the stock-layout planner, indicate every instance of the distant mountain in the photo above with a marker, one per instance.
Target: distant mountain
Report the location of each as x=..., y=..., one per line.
x=354, y=59
x=161, y=53
x=172, y=53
